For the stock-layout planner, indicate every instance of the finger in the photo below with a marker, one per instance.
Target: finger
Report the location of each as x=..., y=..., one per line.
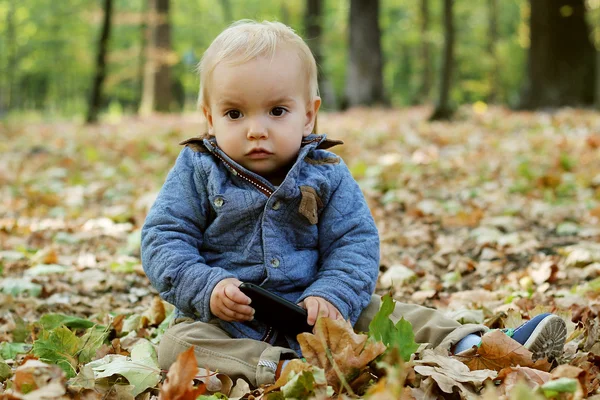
x=234, y=293
x=237, y=307
x=312, y=308
x=323, y=308
x=331, y=311
x=232, y=315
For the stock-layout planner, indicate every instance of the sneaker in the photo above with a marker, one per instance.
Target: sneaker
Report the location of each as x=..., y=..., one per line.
x=544, y=335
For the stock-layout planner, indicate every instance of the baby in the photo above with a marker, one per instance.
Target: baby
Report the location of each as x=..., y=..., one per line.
x=259, y=199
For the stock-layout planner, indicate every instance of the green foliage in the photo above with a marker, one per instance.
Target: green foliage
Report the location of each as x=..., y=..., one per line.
x=5, y=370
x=399, y=336
x=91, y=341
x=142, y=370
x=59, y=346
x=554, y=388
x=10, y=350
x=53, y=321
x=51, y=48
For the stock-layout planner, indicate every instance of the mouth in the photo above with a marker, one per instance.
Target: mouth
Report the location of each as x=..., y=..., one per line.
x=258, y=153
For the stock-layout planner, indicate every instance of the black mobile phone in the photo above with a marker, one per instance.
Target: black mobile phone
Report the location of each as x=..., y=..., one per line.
x=276, y=311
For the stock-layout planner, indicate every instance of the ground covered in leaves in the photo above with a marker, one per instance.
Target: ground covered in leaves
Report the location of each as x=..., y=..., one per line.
x=492, y=218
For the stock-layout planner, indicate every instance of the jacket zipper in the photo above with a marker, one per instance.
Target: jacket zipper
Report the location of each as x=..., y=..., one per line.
x=268, y=335
x=265, y=190
x=259, y=185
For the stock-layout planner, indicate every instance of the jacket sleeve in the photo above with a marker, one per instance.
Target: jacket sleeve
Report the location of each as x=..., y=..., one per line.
x=348, y=249
x=172, y=236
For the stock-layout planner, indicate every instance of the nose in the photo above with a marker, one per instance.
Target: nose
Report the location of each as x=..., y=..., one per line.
x=257, y=130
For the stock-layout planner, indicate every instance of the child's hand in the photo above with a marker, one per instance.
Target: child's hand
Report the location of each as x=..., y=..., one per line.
x=319, y=307
x=228, y=303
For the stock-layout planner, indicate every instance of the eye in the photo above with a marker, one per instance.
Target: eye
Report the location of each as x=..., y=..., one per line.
x=278, y=111
x=233, y=114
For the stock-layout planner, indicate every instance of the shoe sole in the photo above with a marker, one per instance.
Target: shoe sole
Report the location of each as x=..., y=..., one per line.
x=548, y=338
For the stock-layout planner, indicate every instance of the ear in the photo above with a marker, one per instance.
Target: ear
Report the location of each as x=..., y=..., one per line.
x=209, y=121
x=311, y=115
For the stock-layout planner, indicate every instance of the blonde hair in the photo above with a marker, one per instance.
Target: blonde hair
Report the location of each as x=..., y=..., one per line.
x=245, y=40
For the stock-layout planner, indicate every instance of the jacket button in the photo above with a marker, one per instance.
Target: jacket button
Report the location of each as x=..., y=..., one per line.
x=276, y=205
x=218, y=202
x=275, y=263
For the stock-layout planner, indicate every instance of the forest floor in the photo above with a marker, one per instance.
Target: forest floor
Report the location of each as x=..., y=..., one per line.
x=492, y=218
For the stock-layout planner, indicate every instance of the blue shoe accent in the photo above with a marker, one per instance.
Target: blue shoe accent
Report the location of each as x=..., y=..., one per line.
x=466, y=343
x=544, y=335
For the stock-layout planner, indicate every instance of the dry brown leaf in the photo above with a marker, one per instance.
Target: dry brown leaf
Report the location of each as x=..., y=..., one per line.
x=180, y=379
x=498, y=351
x=511, y=376
x=155, y=314
x=463, y=219
x=591, y=364
x=35, y=374
x=449, y=373
x=350, y=352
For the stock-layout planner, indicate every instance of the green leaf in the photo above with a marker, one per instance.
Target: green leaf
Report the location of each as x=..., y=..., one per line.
x=405, y=339
x=5, y=371
x=22, y=330
x=301, y=386
x=91, y=341
x=60, y=347
x=381, y=327
x=400, y=336
x=560, y=385
x=53, y=321
x=142, y=370
x=9, y=351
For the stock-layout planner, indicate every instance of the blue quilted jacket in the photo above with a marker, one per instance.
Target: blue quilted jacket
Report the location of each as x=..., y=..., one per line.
x=213, y=219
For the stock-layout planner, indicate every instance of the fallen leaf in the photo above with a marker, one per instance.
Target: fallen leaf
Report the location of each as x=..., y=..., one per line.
x=36, y=375
x=498, y=351
x=141, y=370
x=511, y=376
x=570, y=371
x=335, y=348
x=448, y=372
x=155, y=314
x=179, y=384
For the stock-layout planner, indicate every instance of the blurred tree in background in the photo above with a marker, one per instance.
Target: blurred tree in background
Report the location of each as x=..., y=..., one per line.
x=49, y=51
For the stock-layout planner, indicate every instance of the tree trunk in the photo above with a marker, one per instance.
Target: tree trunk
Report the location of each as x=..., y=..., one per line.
x=364, y=82
x=492, y=40
x=425, y=88
x=156, y=95
x=443, y=109
x=96, y=97
x=141, y=62
x=561, y=61
x=313, y=32
x=11, y=50
x=597, y=46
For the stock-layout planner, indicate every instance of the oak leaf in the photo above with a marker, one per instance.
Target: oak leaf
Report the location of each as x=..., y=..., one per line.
x=498, y=351
x=179, y=384
x=449, y=373
x=337, y=349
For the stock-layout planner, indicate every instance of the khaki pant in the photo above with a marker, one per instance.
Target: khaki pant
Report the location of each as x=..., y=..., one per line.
x=255, y=361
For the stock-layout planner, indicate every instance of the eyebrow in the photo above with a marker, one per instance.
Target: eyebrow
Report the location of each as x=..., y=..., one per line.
x=283, y=99
x=228, y=103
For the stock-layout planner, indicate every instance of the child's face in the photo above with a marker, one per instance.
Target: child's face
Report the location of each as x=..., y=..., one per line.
x=259, y=111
